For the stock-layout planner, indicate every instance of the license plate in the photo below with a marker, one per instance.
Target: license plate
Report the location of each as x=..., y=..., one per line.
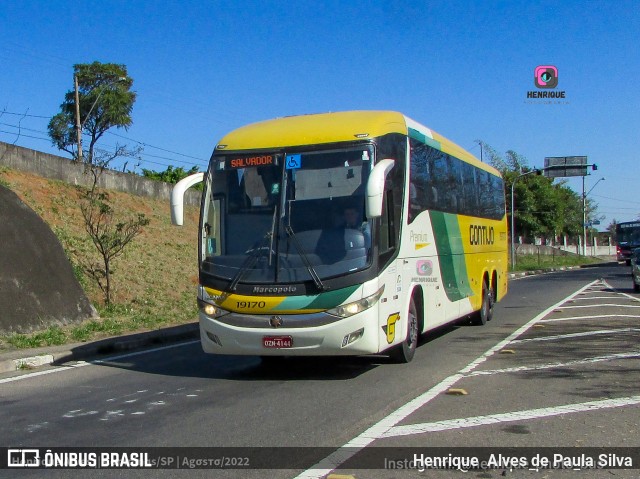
x=277, y=342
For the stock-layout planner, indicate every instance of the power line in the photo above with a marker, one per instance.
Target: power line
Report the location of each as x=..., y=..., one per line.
x=110, y=147
x=616, y=199
x=19, y=127
x=156, y=147
x=26, y=136
x=22, y=114
x=146, y=145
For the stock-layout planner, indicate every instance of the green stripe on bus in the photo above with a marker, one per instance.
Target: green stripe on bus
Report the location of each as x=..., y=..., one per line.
x=327, y=300
x=331, y=299
x=422, y=138
x=453, y=269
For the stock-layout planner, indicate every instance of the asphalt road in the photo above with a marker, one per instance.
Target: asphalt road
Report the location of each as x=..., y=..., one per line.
x=556, y=368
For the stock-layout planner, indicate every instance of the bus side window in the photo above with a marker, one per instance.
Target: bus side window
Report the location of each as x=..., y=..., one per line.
x=387, y=234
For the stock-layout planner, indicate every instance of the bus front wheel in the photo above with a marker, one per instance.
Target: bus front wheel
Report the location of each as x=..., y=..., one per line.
x=403, y=353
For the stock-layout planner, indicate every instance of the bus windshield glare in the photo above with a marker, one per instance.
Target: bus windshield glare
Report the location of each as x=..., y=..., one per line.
x=286, y=217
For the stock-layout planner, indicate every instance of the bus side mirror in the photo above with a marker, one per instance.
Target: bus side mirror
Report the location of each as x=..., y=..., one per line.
x=177, y=197
x=375, y=187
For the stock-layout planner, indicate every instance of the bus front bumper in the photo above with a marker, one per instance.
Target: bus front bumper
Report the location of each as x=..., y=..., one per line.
x=347, y=336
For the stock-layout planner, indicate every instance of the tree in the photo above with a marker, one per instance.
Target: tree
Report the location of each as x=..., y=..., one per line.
x=170, y=175
x=105, y=102
x=543, y=207
x=109, y=234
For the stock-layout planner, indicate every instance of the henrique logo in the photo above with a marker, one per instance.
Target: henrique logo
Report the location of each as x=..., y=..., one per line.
x=424, y=268
x=546, y=76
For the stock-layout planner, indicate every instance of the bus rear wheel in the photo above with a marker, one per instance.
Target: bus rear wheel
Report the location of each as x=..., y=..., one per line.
x=485, y=314
x=403, y=353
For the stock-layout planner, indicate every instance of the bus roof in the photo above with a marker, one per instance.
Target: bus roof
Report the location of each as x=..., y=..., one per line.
x=337, y=127
x=628, y=224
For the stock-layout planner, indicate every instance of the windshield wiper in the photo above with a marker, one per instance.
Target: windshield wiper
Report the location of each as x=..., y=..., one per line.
x=305, y=258
x=251, y=260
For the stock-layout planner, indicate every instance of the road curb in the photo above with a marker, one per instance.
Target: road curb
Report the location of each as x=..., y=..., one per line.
x=31, y=359
x=520, y=274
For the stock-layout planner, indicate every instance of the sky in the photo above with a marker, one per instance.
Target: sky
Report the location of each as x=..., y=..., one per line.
x=462, y=68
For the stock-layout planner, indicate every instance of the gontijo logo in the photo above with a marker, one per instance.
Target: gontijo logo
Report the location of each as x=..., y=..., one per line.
x=390, y=329
x=481, y=235
x=546, y=76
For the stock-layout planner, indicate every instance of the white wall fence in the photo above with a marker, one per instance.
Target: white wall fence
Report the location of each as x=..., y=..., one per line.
x=559, y=249
x=591, y=250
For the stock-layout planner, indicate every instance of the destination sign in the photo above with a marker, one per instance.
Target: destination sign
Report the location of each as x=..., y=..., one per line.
x=250, y=161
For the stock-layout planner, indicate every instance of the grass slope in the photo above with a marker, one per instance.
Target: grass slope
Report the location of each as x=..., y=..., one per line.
x=154, y=279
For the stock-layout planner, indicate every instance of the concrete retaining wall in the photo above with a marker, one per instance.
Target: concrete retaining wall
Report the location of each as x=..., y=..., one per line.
x=59, y=168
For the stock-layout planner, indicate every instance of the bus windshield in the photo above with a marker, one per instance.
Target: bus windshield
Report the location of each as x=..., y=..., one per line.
x=628, y=234
x=286, y=217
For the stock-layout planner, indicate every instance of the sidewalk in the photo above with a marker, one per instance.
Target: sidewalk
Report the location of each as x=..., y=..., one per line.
x=21, y=359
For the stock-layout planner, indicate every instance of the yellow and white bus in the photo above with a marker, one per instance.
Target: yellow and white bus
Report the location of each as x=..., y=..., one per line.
x=344, y=233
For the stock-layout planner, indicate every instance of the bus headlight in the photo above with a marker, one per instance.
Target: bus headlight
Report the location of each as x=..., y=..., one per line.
x=206, y=305
x=349, y=309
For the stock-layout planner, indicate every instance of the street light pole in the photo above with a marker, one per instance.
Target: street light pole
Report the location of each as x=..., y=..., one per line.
x=584, y=220
x=584, y=212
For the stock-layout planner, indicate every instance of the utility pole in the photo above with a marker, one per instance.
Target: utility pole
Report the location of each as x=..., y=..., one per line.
x=78, y=124
x=480, y=143
x=584, y=220
x=585, y=214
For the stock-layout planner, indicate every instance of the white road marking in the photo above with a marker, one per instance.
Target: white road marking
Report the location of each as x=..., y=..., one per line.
x=598, y=316
x=36, y=427
x=635, y=298
x=377, y=431
x=575, y=335
x=79, y=413
x=36, y=374
x=593, y=298
x=510, y=416
x=605, y=305
x=80, y=364
x=577, y=362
